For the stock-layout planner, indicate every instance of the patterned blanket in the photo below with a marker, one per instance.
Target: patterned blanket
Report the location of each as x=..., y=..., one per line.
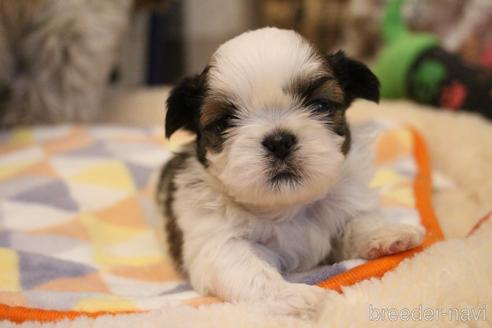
x=79, y=230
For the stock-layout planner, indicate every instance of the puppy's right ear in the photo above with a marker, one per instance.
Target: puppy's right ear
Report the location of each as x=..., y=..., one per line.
x=356, y=78
x=183, y=105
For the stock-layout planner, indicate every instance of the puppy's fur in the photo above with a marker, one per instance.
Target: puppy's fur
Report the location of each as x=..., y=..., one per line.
x=275, y=183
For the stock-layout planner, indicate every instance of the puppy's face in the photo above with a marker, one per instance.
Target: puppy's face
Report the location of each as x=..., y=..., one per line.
x=269, y=114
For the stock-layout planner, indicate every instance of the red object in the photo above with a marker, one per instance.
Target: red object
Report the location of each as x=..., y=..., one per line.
x=486, y=58
x=453, y=95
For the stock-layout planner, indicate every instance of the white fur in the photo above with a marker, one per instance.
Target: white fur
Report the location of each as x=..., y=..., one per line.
x=240, y=236
x=256, y=65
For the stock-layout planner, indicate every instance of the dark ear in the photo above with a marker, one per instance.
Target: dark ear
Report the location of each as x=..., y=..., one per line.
x=183, y=105
x=356, y=79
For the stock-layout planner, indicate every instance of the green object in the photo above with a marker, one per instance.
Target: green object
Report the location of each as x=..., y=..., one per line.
x=401, y=50
x=428, y=79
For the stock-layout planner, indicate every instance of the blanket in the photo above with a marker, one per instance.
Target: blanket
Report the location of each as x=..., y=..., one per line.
x=79, y=231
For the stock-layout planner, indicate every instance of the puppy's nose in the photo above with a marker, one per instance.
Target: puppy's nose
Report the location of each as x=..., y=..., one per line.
x=280, y=144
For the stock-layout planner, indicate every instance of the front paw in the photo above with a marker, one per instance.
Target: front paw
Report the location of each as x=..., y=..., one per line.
x=389, y=240
x=299, y=300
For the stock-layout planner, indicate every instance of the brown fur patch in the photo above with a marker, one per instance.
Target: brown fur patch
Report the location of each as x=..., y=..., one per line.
x=330, y=89
x=325, y=87
x=215, y=117
x=213, y=109
x=165, y=192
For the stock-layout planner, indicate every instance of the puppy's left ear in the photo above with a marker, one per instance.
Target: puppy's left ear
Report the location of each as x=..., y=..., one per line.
x=356, y=78
x=183, y=104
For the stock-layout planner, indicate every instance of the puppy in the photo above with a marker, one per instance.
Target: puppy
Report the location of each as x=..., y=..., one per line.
x=275, y=183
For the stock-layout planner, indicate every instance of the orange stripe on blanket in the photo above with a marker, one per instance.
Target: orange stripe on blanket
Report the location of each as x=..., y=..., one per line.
x=422, y=187
x=20, y=314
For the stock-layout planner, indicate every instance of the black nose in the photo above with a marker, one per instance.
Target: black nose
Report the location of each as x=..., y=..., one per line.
x=280, y=144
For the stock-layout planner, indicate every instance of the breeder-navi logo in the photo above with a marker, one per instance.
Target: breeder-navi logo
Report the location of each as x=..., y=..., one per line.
x=422, y=313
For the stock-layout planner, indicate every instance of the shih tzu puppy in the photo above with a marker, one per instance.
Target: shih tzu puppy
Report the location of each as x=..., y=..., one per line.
x=275, y=183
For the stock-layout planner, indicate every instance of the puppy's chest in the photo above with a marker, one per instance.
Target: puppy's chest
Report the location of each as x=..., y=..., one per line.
x=301, y=242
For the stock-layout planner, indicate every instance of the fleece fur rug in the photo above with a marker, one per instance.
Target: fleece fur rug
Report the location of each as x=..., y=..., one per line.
x=452, y=276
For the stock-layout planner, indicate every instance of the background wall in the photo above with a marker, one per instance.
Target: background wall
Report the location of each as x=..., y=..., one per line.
x=209, y=23
x=163, y=46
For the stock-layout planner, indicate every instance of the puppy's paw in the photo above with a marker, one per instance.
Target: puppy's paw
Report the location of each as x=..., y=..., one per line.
x=300, y=300
x=389, y=240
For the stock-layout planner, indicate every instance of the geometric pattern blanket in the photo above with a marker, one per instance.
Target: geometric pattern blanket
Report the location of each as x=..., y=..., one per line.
x=79, y=230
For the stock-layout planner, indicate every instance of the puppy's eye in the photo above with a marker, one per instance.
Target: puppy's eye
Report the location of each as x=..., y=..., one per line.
x=322, y=106
x=222, y=123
